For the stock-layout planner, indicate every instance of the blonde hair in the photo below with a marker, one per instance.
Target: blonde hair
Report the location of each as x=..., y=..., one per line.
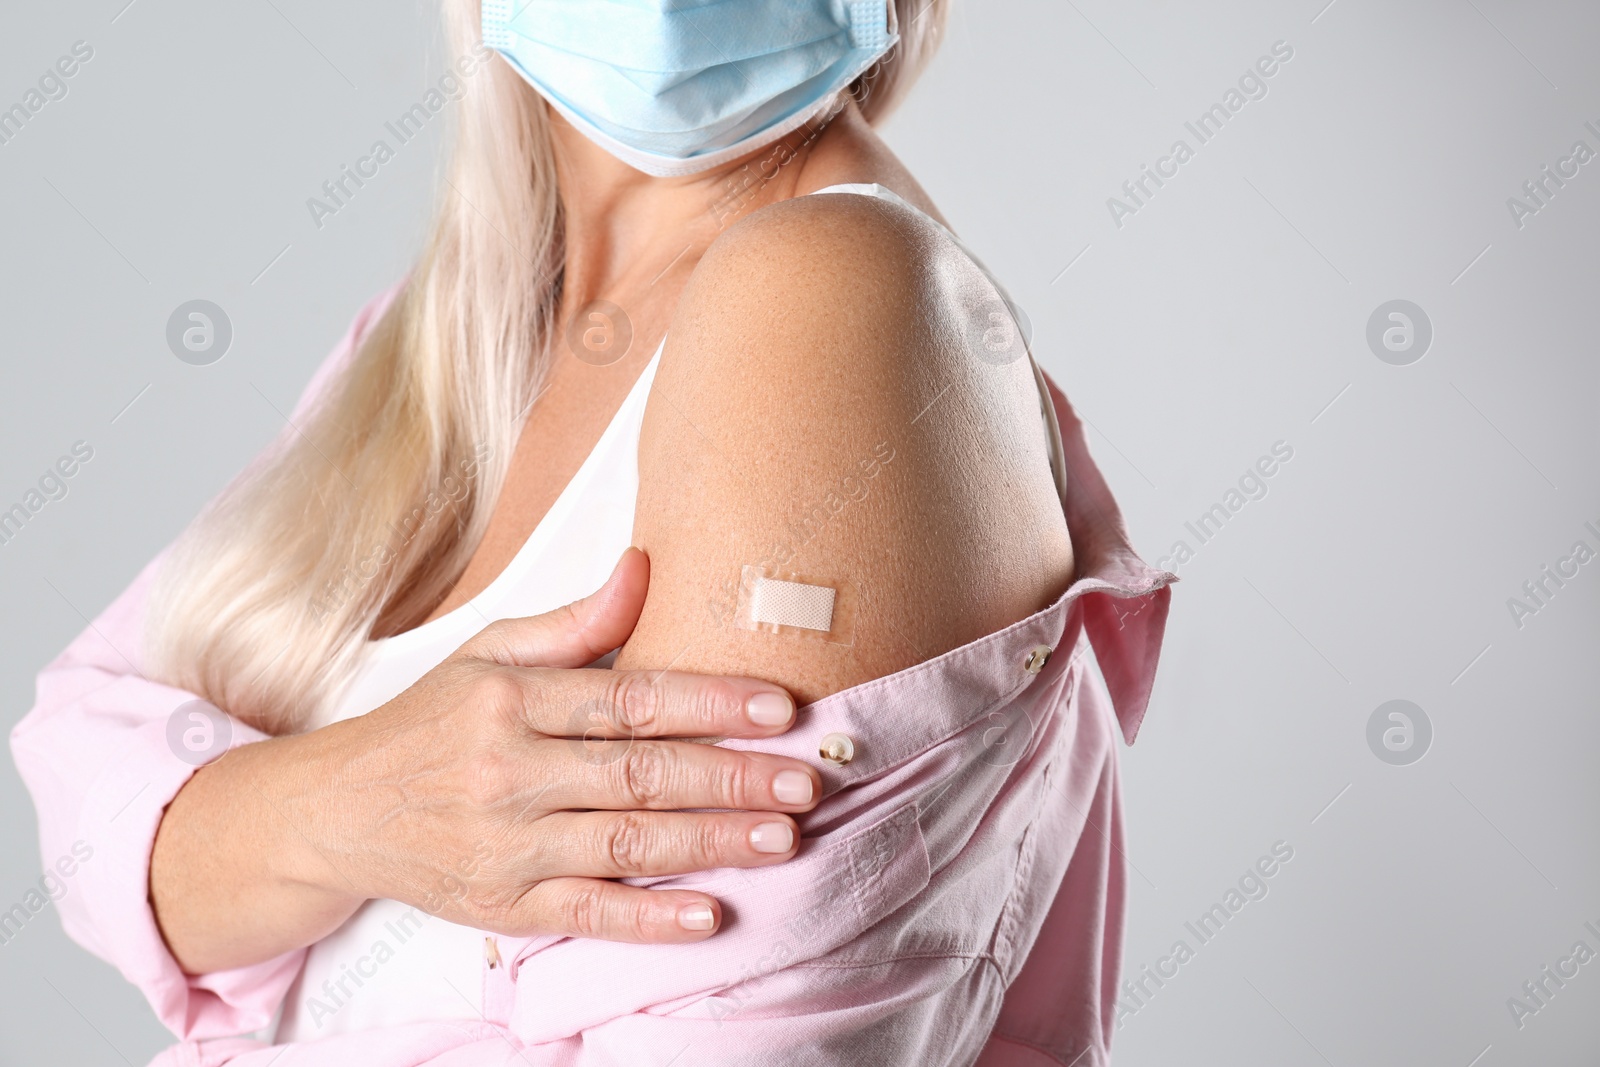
x=332, y=535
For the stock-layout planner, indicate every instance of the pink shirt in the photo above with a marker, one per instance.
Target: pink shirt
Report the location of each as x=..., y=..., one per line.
x=957, y=897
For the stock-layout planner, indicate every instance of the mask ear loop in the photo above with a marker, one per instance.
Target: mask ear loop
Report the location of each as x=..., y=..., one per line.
x=873, y=24
x=865, y=13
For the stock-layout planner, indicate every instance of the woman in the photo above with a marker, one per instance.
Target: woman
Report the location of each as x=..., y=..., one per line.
x=679, y=296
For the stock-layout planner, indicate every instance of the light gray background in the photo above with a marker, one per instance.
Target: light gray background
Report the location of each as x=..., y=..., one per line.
x=1228, y=314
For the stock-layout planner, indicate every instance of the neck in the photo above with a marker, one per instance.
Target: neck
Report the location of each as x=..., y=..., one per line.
x=624, y=227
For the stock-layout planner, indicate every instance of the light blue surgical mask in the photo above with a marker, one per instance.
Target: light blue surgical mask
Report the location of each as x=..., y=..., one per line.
x=677, y=86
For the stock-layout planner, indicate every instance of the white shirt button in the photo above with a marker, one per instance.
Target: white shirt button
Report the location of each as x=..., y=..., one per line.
x=491, y=953
x=837, y=749
x=1037, y=658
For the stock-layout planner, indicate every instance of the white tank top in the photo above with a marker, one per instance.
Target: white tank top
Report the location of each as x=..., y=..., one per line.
x=393, y=963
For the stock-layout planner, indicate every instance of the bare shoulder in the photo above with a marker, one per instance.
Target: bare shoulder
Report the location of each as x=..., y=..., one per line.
x=842, y=402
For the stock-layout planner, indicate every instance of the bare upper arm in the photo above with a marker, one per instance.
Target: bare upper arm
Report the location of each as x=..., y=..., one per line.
x=821, y=408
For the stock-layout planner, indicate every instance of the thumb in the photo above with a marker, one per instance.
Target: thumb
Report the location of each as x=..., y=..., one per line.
x=574, y=635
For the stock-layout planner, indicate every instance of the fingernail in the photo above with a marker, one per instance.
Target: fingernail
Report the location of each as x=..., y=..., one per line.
x=696, y=917
x=792, y=787
x=769, y=709
x=772, y=837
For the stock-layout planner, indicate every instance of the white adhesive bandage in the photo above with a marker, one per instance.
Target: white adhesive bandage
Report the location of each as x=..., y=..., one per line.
x=795, y=605
x=781, y=603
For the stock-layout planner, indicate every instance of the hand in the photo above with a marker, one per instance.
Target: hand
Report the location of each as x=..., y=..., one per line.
x=504, y=787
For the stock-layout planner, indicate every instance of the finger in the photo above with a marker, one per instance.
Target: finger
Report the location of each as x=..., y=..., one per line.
x=607, y=911
x=574, y=635
x=670, y=776
x=642, y=844
x=628, y=704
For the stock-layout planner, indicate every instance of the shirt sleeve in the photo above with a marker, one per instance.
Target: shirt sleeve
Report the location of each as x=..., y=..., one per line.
x=94, y=753
x=914, y=1010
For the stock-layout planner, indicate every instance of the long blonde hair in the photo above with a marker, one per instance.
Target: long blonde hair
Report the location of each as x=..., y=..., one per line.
x=360, y=519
